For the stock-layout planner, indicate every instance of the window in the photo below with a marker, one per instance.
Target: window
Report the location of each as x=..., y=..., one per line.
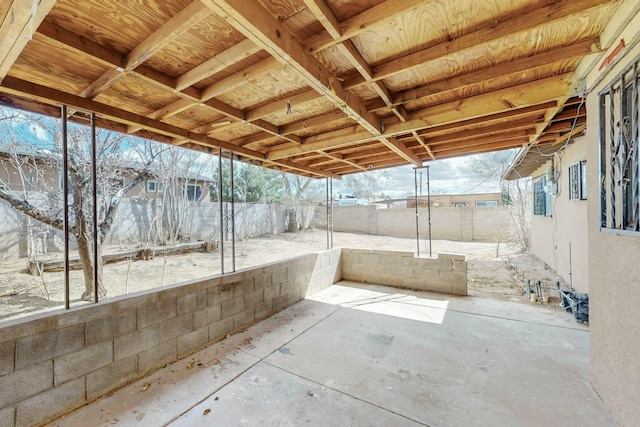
x=578, y=181
x=193, y=192
x=619, y=161
x=484, y=203
x=460, y=204
x=153, y=186
x=541, y=197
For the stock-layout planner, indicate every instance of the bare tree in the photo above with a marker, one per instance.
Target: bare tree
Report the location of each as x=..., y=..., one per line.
x=516, y=195
x=299, y=193
x=32, y=146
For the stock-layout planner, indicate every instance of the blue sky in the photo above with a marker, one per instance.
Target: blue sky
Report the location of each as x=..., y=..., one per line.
x=447, y=176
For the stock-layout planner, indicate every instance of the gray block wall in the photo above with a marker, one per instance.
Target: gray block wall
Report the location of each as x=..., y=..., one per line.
x=462, y=224
x=445, y=274
x=54, y=362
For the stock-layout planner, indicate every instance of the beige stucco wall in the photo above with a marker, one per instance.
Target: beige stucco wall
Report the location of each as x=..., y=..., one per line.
x=614, y=274
x=554, y=237
x=464, y=224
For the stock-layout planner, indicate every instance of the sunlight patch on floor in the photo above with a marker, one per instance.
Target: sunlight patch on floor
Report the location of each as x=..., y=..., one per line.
x=397, y=304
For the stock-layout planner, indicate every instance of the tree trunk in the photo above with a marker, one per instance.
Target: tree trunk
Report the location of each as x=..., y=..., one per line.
x=85, y=251
x=293, y=221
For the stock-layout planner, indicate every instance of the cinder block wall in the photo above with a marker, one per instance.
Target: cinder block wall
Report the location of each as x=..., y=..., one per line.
x=56, y=361
x=446, y=274
x=464, y=224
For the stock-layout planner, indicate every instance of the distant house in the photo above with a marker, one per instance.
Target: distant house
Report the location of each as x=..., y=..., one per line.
x=457, y=200
x=35, y=173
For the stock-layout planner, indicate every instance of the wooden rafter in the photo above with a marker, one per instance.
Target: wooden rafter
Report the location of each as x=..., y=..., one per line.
x=185, y=19
x=216, y=89
x=252, y=20
x=21, y=87
x=485, y=35
x=475, y=106
x=189, y=95
x=423, y=144
x=217, y=63
x=325, y=15
x=364, y=21
x=17, y=29
x=509, y=68
x=340, y=158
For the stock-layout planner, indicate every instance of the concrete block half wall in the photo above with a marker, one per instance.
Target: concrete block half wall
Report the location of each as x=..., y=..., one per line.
x=54, y=362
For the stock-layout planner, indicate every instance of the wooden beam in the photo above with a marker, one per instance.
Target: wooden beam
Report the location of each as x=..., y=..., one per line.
x=17, y=29
x=548, y=115
x=496, y=129
x=281, y=105
x=339, y=158
x=576, y=131
x=217, y=63
x=12, y=85
x=364, y=21
x=325, y=15
x=401, y=150
x=218, y=88
x=545, y=15
x=479, y=106
x=423, y=144
x=260, y=112
x=521, y=135
x=513, y=67
x=479, y=149
x=252, y=20
x=178, y=24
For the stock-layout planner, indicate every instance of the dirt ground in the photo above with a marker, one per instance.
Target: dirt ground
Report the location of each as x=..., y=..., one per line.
x=491, y=273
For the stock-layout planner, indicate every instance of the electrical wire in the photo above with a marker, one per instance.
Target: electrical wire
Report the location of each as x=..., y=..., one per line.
x=573, y=127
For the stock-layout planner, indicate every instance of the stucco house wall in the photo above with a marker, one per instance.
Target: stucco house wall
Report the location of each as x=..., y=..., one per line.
x=614, y=270
x=560, y=240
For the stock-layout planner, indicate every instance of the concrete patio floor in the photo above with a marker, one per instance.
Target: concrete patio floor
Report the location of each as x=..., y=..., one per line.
x=356, y=355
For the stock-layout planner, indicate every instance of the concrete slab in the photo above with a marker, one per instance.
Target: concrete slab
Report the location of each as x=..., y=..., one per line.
x=266, y=395
x=166, y=394
x=375, y=356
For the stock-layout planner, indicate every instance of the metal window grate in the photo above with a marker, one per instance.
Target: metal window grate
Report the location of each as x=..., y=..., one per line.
x=577, y=181
x=539, y=197
x=619, y=165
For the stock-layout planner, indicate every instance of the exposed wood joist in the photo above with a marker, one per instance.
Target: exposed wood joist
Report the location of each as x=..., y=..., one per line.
x=17, y=28
x=503, y=29
x=218, y=88
x=178, y=24
x=217, y=63
x=518, y=66
x=327, y=18
x=339, y=158
x=423, y=144
x=21, y=87
x=477, y=106
x=190, y=95
x=252, y=20
x=362, y=22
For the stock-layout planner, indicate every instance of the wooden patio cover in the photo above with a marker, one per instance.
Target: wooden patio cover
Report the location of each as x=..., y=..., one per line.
x=320, y=88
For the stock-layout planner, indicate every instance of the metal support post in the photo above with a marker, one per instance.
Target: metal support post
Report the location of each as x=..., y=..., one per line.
x=415, y=193
x=94, y=210
x=327, y=209
x=429, y=208
x=331, y=208
x=220, y=211
x=233, y=218
x=65, y=202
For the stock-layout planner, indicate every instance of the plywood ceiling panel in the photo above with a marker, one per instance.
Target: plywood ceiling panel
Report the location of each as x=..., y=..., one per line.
x=313, y=86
